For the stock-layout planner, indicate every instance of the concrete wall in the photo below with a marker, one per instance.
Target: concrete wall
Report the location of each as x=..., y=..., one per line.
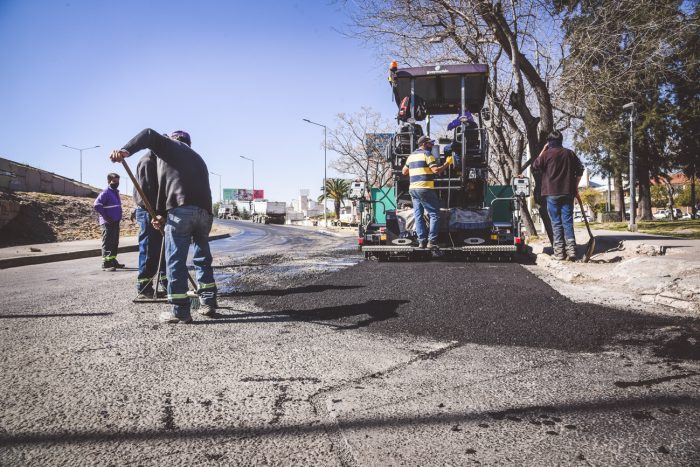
x=19, y=177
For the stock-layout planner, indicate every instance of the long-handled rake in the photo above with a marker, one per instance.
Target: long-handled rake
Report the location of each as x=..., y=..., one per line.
x=591, y=239
x=194, y=299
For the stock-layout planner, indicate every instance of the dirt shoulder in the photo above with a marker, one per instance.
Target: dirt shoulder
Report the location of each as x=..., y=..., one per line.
x=47, y=218
x=627, y=270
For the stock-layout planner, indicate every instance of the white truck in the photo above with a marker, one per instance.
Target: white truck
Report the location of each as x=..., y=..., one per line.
x=269, y=212
x=226, y=211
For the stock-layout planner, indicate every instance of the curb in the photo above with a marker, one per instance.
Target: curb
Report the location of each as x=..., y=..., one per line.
x=51, y=258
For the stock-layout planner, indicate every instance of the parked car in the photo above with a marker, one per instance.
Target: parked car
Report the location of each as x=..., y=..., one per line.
x=661, y=214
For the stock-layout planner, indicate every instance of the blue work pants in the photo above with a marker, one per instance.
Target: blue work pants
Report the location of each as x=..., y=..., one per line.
x=426, y=200
x=188, y=225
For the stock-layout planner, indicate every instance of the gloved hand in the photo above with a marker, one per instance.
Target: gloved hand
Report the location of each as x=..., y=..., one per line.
x=133, y=216
x=450, y=160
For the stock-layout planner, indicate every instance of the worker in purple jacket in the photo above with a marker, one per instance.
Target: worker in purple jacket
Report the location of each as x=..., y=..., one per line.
x=109, y=206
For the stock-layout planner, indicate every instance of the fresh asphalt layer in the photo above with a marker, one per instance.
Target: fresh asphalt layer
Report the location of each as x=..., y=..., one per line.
x=482, y=303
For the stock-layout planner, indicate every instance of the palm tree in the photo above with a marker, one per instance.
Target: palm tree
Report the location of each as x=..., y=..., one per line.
x=338, y=190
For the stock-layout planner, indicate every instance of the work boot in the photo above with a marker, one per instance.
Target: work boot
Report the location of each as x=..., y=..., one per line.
x=108, y=266
x=118, y=265
x=422, y=244
x=571, y=250
x=558, y=252
x=432, y=246
x=167, y=317
x=207, y=310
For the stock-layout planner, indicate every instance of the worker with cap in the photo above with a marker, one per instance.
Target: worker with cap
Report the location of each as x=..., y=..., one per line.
x=108, y=205
x=184, y=207
x=421, y=167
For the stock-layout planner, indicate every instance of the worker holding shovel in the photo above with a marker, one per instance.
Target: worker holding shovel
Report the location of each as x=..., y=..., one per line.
x=184, y=196
x=561, y=172
x=151, y=259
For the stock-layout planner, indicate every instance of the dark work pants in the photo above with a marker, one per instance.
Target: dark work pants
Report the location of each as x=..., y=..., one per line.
x=110, y=241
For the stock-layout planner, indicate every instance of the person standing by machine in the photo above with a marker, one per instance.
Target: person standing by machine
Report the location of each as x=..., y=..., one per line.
x=561, y=172
x=421, y=168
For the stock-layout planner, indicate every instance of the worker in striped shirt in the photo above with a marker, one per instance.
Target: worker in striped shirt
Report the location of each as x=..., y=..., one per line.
x=421, y=168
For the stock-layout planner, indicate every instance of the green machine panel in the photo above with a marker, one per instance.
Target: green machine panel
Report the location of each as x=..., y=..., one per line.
x=501, y=209
x=383, y=200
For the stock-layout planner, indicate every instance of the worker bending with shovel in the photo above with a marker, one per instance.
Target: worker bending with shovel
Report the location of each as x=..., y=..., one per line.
x=183, y=208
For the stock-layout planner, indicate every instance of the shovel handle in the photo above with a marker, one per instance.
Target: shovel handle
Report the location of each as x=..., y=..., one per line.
x=583, y=213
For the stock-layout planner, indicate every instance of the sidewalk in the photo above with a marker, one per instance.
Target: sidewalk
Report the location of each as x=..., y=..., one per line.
x=628, y=267
x=24, y=255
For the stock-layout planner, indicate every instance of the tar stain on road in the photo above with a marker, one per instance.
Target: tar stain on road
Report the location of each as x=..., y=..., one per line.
x=168, y=417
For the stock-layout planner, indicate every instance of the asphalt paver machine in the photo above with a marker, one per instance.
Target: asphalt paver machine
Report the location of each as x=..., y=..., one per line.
x=479, y=219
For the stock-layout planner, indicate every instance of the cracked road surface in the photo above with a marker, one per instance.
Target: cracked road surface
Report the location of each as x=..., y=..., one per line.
x=319, y=358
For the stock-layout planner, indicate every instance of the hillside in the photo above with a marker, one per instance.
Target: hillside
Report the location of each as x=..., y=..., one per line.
x=46, y=218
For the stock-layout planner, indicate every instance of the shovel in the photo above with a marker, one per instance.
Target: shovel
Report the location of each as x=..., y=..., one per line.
x=152, y=213
x=591, y=239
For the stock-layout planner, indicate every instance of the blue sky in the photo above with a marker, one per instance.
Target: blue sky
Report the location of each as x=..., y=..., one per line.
x=238, y=75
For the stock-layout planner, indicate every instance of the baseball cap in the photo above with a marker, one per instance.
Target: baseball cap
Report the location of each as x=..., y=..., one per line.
x=182, y=136
x=424, y=139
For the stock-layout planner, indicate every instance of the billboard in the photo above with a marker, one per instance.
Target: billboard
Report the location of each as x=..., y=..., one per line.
x=241, y=194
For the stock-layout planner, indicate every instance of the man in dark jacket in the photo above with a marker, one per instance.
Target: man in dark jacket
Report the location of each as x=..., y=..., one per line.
x=150, y=239
x=185, y=197
x=561, y=173
x=109, y=206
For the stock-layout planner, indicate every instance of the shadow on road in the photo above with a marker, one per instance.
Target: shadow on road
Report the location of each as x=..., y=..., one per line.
x=54, y=315
x=370, y=312
x=290, y=290
x=533, y=413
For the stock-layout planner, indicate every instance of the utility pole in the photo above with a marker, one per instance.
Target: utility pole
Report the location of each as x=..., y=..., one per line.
x=325, y=188
x=81, y=156
x=252, y=203
x=220, y=192
x=631, y=107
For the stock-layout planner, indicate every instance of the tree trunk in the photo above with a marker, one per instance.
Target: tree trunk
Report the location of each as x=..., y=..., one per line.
x=644, y=194
x=619, y=195
x=693, y=205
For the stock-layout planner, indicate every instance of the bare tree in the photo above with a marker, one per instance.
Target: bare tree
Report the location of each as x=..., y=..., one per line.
x=361, y=153
x=519, y=40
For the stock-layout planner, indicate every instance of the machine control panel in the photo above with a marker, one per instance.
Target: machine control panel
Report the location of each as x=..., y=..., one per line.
x=521, y=186
x=357, y=190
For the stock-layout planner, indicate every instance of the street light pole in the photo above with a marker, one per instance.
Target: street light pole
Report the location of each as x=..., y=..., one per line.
x=220, y=192
x=633, y=205
x=81, y=156
x=252, y=203
x=325, y=151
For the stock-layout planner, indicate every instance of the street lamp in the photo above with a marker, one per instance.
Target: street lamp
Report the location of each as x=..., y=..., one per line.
x=220, y=192
x=325, y=148
x=81, y=156
x=633, y=207
x=252, y=205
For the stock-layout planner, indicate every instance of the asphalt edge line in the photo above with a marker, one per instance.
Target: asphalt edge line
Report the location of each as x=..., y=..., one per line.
x=55, y=257
x=319, y=402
